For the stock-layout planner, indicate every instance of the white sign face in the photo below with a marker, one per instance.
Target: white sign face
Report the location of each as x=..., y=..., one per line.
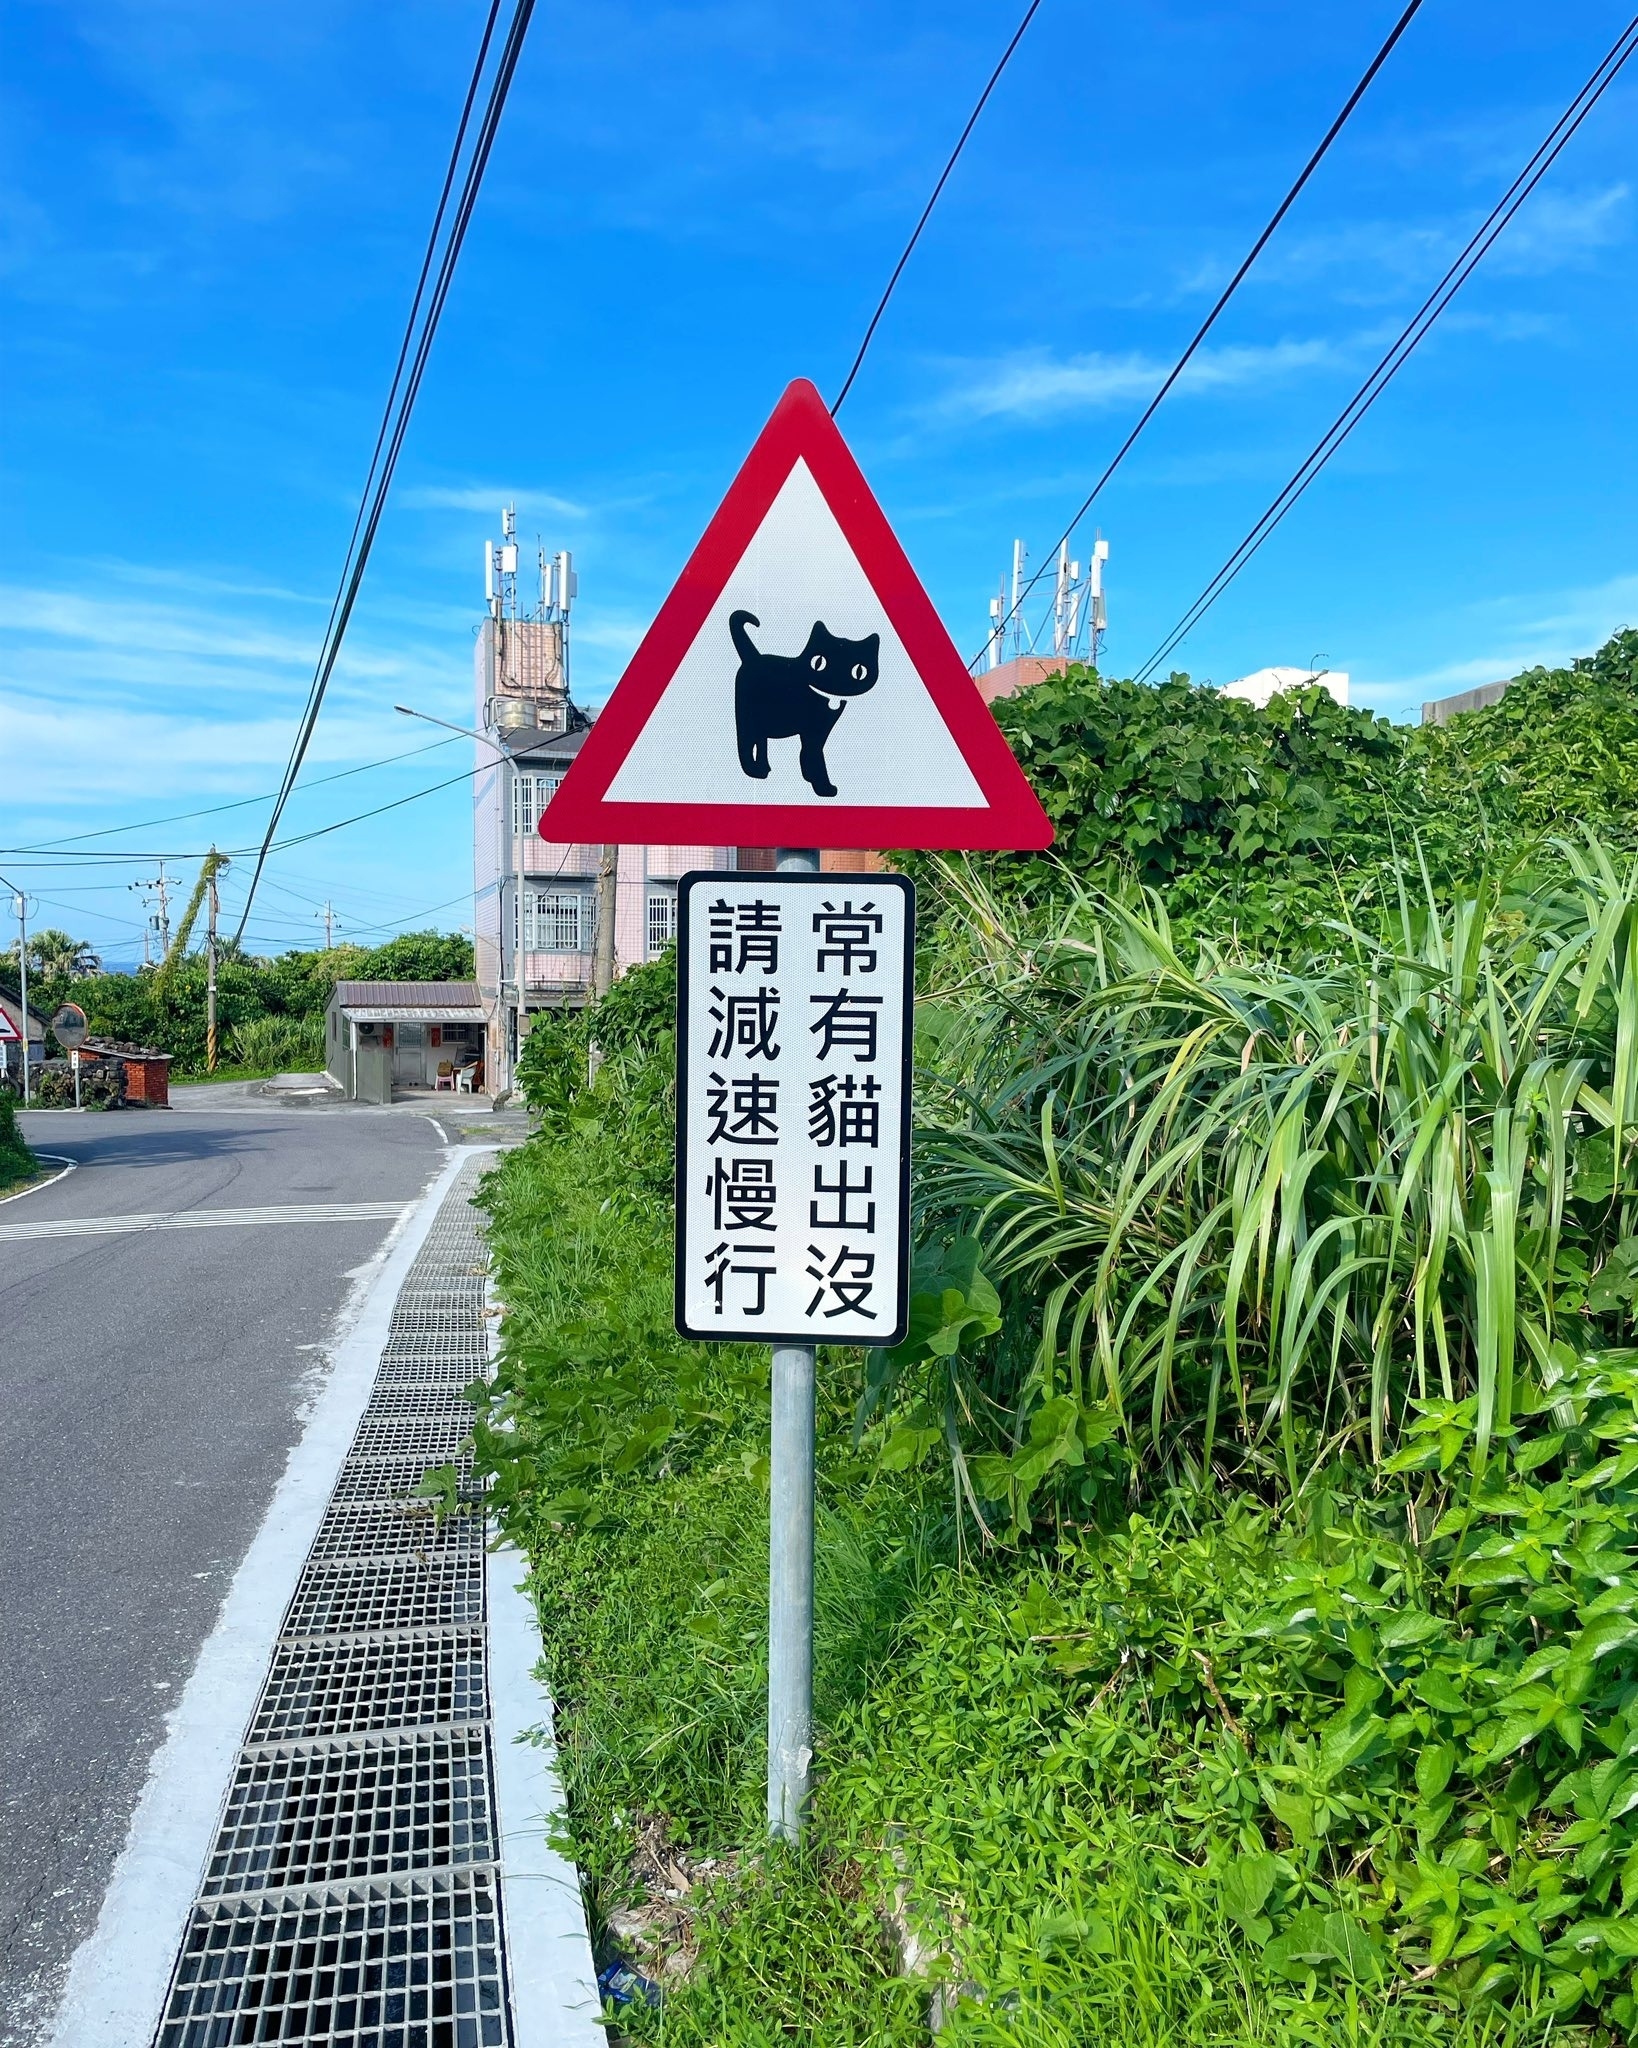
x=794, y=997
x=882, y=741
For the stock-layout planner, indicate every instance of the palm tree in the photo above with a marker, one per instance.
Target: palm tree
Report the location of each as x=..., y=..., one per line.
x=53, y=954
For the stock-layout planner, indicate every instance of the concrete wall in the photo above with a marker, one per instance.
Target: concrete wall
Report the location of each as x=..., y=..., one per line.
x=374, y=1071
x=1443, y=709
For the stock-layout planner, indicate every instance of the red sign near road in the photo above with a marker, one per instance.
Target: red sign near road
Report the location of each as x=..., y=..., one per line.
x=797, y=687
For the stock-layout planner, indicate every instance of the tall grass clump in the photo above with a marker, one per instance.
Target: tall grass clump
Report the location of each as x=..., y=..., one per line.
x=1261, y=1209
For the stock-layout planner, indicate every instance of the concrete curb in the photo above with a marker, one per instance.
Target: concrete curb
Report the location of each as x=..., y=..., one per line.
x=120, y=1973
x=551, y=1975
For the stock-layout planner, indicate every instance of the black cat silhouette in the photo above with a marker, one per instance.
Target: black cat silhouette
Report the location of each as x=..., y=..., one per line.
x=777, y=696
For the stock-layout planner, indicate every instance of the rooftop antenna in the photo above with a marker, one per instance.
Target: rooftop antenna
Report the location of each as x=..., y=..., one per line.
x=1066, y=603
x=998, y=608
x=1019, y=557
x=1097, y=616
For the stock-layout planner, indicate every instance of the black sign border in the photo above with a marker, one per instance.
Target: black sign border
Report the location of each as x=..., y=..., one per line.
x=800, y=878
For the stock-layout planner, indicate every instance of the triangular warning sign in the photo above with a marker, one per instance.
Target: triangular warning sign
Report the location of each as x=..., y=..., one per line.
x=797, y=687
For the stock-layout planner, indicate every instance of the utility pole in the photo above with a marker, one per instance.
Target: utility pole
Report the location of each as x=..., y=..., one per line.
x=328, y=916
x=161, y=882
x=216, y=864
x=608, y=892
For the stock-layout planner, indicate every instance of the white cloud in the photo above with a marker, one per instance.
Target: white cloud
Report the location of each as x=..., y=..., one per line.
x=1033, y=383
x=488, y=498
x=1546, y=629
x=1555, y=229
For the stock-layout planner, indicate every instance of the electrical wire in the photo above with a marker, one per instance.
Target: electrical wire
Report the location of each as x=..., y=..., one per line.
x=1395, y=358
x=406, y=388
x=239, y=804
x=926, y=212
x=279, y=845
x=1212, y=317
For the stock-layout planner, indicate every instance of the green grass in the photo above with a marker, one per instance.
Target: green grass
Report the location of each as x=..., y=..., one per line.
x=1019, y=1756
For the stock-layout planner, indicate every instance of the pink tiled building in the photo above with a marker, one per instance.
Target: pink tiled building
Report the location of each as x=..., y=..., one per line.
x=536, y=899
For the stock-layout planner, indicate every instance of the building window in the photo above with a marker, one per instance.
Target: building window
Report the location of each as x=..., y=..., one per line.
x=557, y=920
x=530, y=796
x=662, y=920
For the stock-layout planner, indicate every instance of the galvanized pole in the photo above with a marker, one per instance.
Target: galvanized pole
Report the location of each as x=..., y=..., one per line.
x=790, y=1555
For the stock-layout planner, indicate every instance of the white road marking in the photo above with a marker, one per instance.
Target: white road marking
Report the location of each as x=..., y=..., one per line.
x=206, y=1219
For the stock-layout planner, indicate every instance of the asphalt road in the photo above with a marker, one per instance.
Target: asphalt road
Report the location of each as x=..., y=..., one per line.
x=151, y=1383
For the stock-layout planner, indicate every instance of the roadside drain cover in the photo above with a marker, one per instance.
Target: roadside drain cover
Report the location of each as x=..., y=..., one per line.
x=351, y=1597
x=362, y=1967
x=436, y=1438
x=371, y=1807
x=382, y=1527
x=345, y=1687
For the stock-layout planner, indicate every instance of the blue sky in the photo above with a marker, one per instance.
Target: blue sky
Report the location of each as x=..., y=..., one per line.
x=210, y=220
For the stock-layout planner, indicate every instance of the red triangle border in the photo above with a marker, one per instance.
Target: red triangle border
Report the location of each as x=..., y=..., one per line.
x=800, y=428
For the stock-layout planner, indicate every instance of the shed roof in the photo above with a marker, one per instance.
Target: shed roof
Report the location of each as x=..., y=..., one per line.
x=407, y=995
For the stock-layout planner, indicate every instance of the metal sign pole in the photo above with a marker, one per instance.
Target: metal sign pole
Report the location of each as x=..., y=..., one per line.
x=790, y=1554
x=76, y=1059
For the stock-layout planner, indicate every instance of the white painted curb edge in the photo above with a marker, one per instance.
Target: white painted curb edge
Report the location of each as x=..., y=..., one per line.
x=553, y=1981
x=120, y=1973
x=65, y=1166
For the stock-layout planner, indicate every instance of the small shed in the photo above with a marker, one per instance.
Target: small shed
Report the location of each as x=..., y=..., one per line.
x=147, y=1071
x=381, y=1036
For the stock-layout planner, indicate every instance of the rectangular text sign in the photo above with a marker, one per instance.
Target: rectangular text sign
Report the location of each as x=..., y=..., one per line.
x=793, y=1107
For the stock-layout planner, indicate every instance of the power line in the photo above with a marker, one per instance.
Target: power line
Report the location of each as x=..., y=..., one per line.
x=278, y=845
x=1211, y=318
x=239, y=804
x=1404, y=347
x=383, y=467
x=926, y=212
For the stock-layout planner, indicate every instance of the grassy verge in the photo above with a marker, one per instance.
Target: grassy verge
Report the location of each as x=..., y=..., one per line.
x=18, y=1164
x=1089, y=1789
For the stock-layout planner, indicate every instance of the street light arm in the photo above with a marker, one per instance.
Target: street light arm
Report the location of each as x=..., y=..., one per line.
x=470, y=732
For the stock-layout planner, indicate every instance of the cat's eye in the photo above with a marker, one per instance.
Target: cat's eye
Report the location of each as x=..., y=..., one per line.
x=817, y=663
x=859, y=671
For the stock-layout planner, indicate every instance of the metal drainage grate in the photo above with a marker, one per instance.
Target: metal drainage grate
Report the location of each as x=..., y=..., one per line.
x=384, y=1527
x=415, y=1967
x=349, y=1685
x=386, y=1593
x=446, y=1377
x=435, y=1438
x=389, y=1479
x=411, y=1396
x=367, y=1808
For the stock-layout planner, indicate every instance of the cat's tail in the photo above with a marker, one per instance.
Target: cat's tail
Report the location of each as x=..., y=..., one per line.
x=746, y=646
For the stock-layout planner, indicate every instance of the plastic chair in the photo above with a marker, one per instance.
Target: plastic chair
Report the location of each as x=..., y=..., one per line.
x=445, y=1077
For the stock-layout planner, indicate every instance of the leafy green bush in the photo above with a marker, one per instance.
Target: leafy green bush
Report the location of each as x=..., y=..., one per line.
x=17, y=1162
x=1181, y=785
x=1559, y=750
